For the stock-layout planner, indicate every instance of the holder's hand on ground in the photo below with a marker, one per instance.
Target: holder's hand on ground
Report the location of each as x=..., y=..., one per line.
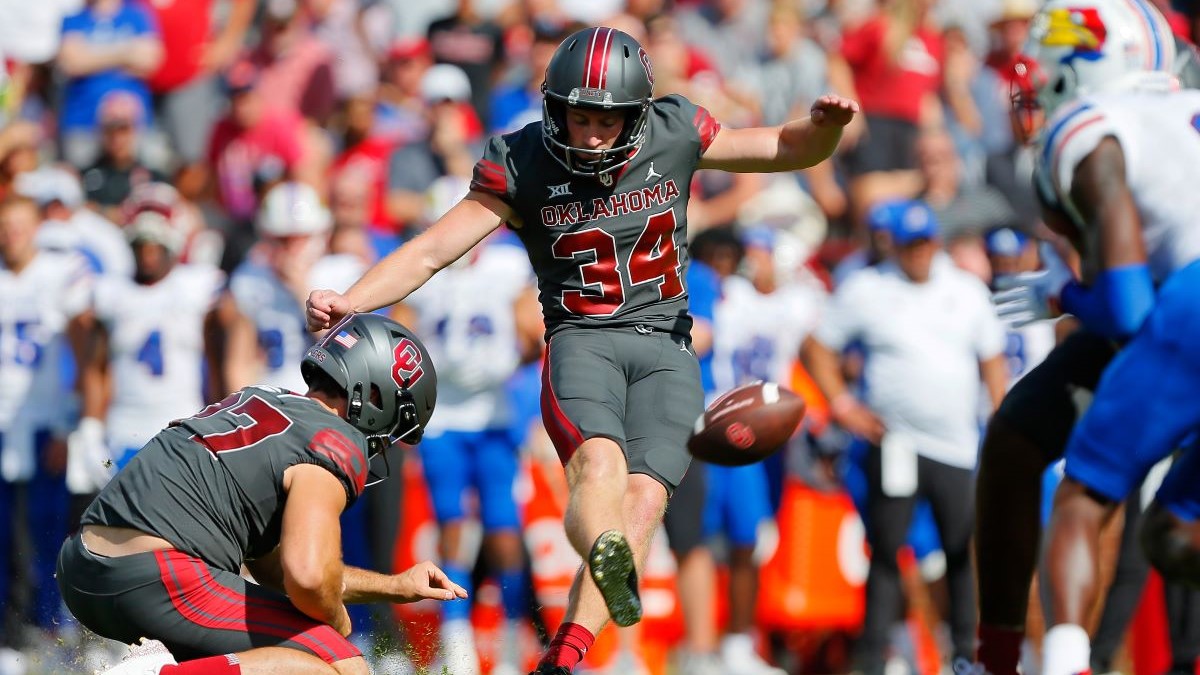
x=426, y=580
x=325, y=308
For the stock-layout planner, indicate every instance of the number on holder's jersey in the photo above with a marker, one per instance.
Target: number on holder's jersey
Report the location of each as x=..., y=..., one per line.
x=258, y=420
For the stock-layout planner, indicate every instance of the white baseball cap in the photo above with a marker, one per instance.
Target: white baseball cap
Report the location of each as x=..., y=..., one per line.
x=444, y=82
x=292, y=209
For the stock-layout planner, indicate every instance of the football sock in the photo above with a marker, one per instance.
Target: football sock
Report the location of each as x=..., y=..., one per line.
x=226, y=664
x=514, y=587
x=457, y=609
x=568, y=646
x=999, y=648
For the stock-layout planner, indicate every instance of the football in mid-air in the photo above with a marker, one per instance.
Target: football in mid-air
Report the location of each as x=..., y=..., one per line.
x=746, y=424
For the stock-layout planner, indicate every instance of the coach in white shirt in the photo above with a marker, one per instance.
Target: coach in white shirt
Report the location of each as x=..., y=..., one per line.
x=930, y=336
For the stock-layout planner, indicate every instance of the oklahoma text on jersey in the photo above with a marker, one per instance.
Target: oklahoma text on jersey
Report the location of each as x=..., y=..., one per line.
x=614, y=205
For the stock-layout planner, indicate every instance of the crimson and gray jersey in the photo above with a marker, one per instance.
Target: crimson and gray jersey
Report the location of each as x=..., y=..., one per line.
x=606, y=255
x=212, y=484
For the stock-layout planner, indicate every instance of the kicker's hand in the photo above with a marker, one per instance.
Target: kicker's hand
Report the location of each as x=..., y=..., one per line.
x=833, y=111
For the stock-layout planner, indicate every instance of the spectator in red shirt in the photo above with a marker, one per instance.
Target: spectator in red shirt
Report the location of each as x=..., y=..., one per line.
x=185, y=86
x=896, y=59
x=364, y=160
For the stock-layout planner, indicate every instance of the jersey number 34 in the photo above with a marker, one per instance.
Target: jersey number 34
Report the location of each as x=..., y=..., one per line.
x=653, y=258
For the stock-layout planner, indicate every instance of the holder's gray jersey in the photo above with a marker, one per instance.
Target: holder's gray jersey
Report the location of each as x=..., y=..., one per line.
x=212, y=484
x=606, y=254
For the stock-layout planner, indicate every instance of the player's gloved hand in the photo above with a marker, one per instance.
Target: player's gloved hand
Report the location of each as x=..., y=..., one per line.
x=89, y=461
x=1021, y=299
x=425, y=580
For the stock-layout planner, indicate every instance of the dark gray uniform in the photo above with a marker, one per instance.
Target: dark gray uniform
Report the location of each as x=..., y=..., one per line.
x=611, y=262
x=212, y=485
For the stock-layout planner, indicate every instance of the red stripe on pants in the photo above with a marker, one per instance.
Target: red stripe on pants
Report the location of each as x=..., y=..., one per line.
x=565, y=435
x=204, y=601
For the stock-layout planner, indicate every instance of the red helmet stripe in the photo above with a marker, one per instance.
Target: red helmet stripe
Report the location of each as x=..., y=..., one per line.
x=597, y=59
x=604, y=54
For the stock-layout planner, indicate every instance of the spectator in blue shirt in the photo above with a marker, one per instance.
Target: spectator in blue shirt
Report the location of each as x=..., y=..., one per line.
x=111, y=45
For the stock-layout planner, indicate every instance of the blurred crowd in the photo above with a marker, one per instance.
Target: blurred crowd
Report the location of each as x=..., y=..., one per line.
x=177, y=174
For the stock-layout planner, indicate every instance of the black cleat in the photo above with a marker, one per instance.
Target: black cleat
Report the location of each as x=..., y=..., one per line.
x=612, y=568
x=552, y=670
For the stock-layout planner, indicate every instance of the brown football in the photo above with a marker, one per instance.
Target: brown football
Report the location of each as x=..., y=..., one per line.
x=746, y=424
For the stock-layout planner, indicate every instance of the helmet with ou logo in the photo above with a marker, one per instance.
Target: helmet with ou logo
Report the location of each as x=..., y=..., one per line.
x=1081, y=47
x=387, y=374
x=597, y=69
x=292, y=209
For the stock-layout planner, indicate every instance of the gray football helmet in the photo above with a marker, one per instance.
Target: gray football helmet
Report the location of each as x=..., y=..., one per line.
x=600, y=69
x=387, y=374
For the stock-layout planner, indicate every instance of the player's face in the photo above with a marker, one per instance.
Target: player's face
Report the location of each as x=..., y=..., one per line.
x=151, y=261
x=593, y=129
x=18, y=231
x=294, y=253
x=916, y=259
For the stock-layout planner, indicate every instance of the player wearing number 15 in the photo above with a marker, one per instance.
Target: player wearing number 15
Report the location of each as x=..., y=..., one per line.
x=597, y=192
x=259, y=479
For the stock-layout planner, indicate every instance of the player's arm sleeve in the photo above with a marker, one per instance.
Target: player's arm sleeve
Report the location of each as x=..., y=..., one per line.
x=493, y=173
x=1116, y=304
x=341, y=456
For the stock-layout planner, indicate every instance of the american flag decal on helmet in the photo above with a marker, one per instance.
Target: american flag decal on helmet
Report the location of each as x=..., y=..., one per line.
x=345, y=339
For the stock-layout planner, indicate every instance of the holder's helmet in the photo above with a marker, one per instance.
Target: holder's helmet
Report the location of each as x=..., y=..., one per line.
x=387, y=374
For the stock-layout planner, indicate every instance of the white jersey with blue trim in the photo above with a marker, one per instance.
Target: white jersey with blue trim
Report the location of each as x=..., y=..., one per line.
x=38, y=301
x=466, y=320
x=1159, y=134
x=278, y=315
x=156, y=349
x=757, y=336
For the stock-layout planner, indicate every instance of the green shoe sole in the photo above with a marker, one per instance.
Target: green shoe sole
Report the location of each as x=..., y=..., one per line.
x=611, y=565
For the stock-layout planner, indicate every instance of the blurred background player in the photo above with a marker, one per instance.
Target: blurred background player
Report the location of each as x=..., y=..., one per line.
x=1010, y=253
x=1137, y=269
x=1032, y=426
x=931, y=339
x=269, y=337
x=41, y=291
x=479, y=319
x=759, y=325
x=144, y=346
